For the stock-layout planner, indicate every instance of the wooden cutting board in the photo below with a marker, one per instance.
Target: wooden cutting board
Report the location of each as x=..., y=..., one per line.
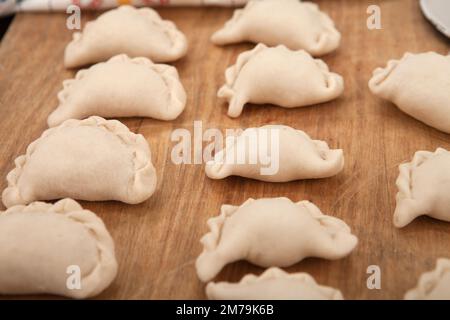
x=157, y=241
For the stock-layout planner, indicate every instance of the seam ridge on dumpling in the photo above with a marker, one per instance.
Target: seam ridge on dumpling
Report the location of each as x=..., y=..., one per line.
x=380, y=74
x=106, y=269
x=231, y=74
x=275, y=273
x=211, y=240
x=142, y=162
x=171, y=30
x=303, y=82
x=230, y=240
x=417, y=84
x=216, y=37
x=330, y=28
x=325, y=220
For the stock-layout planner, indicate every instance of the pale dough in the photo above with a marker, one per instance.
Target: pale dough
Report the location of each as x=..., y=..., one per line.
x=273, y=284
x=423, y=186
x=126, y=30
x=419, y=84
x=433, y=285
x=41, y=243
x=92, y=159
x=268, y=155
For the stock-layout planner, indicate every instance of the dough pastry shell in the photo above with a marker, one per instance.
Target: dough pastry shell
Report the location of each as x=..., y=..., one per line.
x=295, y=24
x=433, y=285
x=278, y=76
x=41, y=241
x=273, y=284
x=121, y=87
x=272, y=232
x=126, y=30
x=423, y=186
x=419, y=85
x=310, y=159
x=92, y=159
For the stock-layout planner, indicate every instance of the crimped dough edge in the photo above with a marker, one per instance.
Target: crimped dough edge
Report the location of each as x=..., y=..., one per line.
x=211, y=240
x=219, y=169
x=328, y=40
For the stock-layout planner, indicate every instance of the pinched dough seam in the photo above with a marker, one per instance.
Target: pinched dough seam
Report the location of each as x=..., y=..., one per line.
x=276, y=273
x=218, y=163
x=94, y=225
x=142, y=161
x=404, y=181
x=168, y=27
x=168, y=74
x=232, y=73
x=327, y=22
x=237, y=14
x=429, y=280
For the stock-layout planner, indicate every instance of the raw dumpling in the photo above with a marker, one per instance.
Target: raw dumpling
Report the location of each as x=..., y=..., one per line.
x=269, y=155
x=92, y=159
x=273, y=232
x=127, y=30
x=295, y=24
x=121, y=87
x=273, y=284
x=40, y=244
x=278, y=76
x=419, y=85
x=423, y=186
x=433, y=285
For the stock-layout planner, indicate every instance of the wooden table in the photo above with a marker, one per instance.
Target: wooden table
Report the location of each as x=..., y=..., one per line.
x=157, y=241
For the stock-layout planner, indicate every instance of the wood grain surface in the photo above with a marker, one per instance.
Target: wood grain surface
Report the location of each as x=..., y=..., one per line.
x=157, y=241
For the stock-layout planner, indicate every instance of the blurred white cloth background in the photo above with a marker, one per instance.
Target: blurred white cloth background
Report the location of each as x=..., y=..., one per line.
x=9, y=6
